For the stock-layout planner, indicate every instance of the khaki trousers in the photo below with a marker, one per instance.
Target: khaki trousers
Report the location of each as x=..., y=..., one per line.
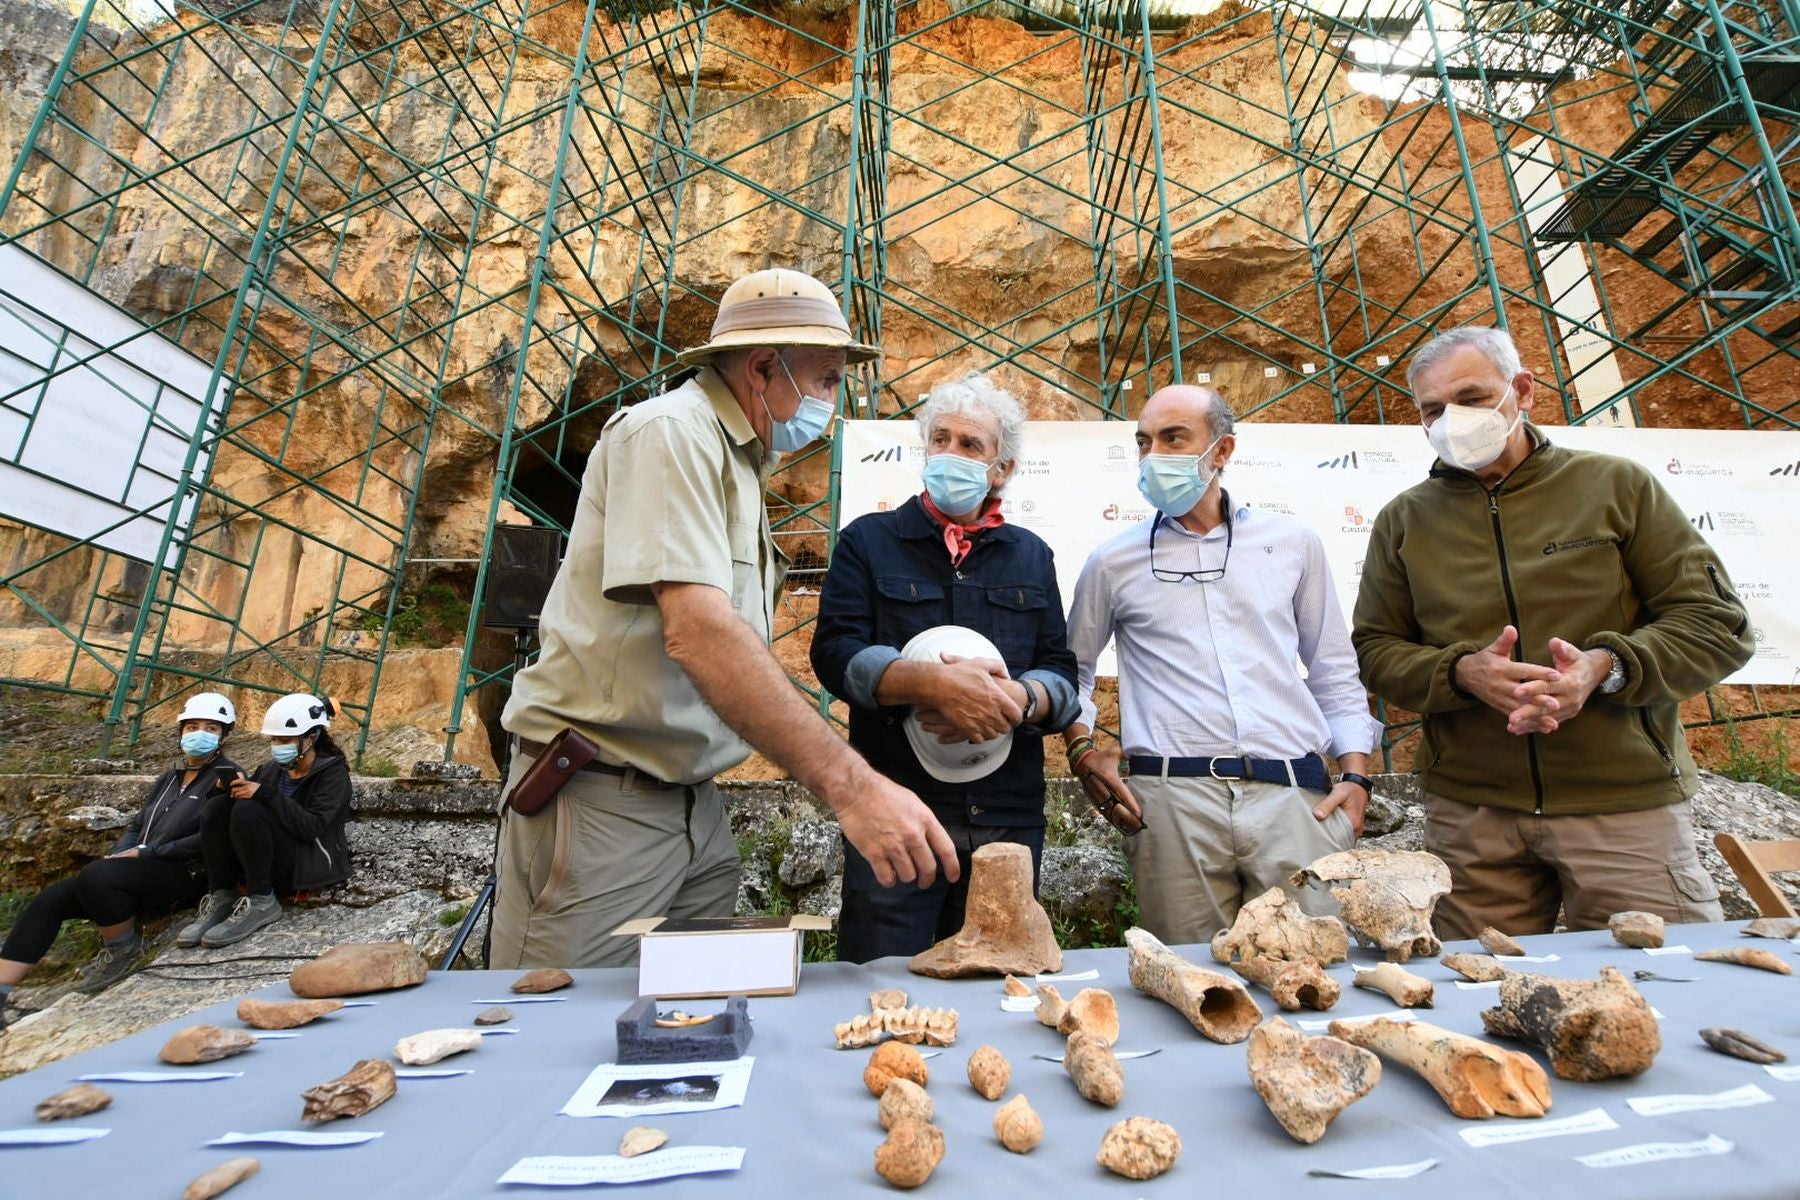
x=606, y=850
x=1208, y=845
x=1515, y=870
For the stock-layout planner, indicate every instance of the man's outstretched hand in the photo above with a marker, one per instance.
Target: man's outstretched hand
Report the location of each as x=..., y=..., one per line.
x=894, y=830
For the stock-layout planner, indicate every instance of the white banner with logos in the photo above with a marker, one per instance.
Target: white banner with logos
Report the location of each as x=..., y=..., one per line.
x=1077, y=487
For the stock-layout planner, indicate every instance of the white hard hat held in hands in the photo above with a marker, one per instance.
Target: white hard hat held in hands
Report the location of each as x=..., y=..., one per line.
x=954, y=762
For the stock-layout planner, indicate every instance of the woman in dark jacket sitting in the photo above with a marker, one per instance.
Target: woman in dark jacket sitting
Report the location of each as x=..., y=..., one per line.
x=155, y=868
x=278, y=832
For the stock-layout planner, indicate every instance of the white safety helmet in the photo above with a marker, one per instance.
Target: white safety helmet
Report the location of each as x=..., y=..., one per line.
x=294, y=715
x=953, y=762
x=208, y=706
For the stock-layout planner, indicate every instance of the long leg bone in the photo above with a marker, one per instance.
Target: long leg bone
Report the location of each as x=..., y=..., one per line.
x=1475, y=1079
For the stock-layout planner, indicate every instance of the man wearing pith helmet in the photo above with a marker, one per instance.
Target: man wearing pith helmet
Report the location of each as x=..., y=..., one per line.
x=655, y=646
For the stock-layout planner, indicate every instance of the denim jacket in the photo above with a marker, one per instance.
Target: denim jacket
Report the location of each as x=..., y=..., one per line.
x=891, y=578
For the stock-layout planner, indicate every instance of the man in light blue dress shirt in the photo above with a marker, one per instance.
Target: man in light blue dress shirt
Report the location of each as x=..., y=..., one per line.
x=1213, y=604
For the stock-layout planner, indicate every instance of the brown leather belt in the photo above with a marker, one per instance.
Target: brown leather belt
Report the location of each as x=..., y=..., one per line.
x=536, y=750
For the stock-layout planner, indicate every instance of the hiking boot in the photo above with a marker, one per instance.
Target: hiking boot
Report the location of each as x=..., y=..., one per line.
x=111, y=964
x=248, y=915
x=214, y=907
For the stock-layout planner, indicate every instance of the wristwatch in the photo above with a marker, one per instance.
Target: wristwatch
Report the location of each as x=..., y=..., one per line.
x=1030, y=703
x=1615, y=678
x=1361, y=781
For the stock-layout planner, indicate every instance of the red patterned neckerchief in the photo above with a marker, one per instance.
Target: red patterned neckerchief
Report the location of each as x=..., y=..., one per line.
x=959, y=539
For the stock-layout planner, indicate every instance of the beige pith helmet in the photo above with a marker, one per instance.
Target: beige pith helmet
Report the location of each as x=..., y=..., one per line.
x=779, y=307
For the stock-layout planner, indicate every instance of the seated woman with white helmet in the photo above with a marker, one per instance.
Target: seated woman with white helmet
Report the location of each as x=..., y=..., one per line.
x=278, y=832
x=155, y=868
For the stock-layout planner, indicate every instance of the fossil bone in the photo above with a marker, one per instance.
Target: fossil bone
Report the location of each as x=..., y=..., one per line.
x=989, y=1072
x=423, y=1049
x=497, y=1015
x=1398, y=984
x=891, y=1061
x=369, y=1084
x=1018, y=1126
x=1592, y=1029
x=887, y=998
x=1638, y=930
x=1739, y=1044
x=356, y=968
x=932, y=1026
x=1016, y=987
x=1051, y=1006
x=222, y=1178
x=1387, y=896
x=1091, y=1063
x=903, y=1099
x=77, y=1101
x=683, y=1020
x=1746, y=956
x=1307, y=1081
x=1780, y=928
x=1139, y=1148
x=1005, y=930
x=283, y=1014
x=1476, y=968
x=204, y=1044
x=544, y=979
x=1296, y=984
x=641, y=1139
x=1475, y=1079
x=1217, y=1005
x=1495, y=942
x=1091, y=1011
x=1275, y=926
x=911, y=1153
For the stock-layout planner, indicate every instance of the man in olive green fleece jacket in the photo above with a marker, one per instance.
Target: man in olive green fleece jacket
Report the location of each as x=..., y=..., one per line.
x=1545, y=611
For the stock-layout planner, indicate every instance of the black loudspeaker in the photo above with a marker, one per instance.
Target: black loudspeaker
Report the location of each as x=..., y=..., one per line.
x=519, y=575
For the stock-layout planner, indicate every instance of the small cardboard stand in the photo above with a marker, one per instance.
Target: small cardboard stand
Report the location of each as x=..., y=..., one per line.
x=699, y=957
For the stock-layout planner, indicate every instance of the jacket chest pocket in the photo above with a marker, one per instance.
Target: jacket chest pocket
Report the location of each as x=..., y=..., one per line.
x=1015, y=611
x=907, y=606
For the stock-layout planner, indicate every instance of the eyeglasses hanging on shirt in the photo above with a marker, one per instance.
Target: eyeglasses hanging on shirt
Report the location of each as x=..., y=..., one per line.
x=1203, y=574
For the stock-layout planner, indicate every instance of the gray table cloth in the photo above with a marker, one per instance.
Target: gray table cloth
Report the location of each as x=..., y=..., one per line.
x=809, y=1126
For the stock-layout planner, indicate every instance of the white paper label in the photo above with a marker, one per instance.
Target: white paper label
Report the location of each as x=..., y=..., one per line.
x=61, y=1135
x=1659, y=1106
x=360, y=1003
x=929, y=1053
x=1399, y=1014
x=1018, y=1003
x=580, y=1171
x=1465, y=985
x=1631, y=1156
x=295, y=1137
x=430, y=1072
x=1787, y=1074
x=1398, y=1171
x=1513, y=958
x=646, y=1089
x=1656, y=1012
x=157, y=1076
x=1595, y=1120
x=1121, y=1055
x=265, y=1036
x=1076, y=977
x=523, y=1000
x=498, y=1030
x=1654, y=951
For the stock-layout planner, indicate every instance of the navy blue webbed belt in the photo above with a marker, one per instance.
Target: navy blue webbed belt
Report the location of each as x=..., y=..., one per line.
x=1308, y=772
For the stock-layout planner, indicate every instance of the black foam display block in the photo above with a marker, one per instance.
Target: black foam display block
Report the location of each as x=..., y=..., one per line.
x=725, y=1037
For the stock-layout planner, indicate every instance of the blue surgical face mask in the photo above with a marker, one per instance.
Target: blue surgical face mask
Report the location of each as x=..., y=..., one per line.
x=1175, y=483
x=199, y=743
x=284, y=752
x=807, y=423
x=957, y=485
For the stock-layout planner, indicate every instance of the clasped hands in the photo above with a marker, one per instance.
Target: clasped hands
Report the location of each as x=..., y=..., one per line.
x=1532, y=698
x=972, y=700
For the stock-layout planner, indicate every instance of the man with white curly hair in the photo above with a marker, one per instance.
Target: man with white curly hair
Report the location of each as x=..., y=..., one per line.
x=946, y=557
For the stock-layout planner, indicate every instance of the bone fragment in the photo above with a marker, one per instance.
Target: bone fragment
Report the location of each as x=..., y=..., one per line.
x=1739, y=1044
x=357, y=968
x=369, y=1084
x=1218, y=1006
x=1397, y=984
x=989, y=1072
x=1308, y=1081
x=911, y=1153
x=77, y=1101
x=1638, y=930
x=1275, y=926
x=1005, y=930
x=1139, y=1148
x=1018, y=1126
x=1016, y=987
x=1780, y=928
x=423, y=1049
x=1591, y=1029
x=1091, y=1011
x=1051, y=1006
x=283, y=1014
x=1495, y=942
x=222, y=1178
x=1476, y=968
x=887, y=998
x=1301, y=983
x=932, y=1026
x=1091, y=1064
x=497, y=1015
x=641, y=1139
x=891, y=1061
x=903, y=1099
x=1747, y=956
x=544, y=979
x=204, y=1044
x=1475, y=1079
x=1387, y=896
